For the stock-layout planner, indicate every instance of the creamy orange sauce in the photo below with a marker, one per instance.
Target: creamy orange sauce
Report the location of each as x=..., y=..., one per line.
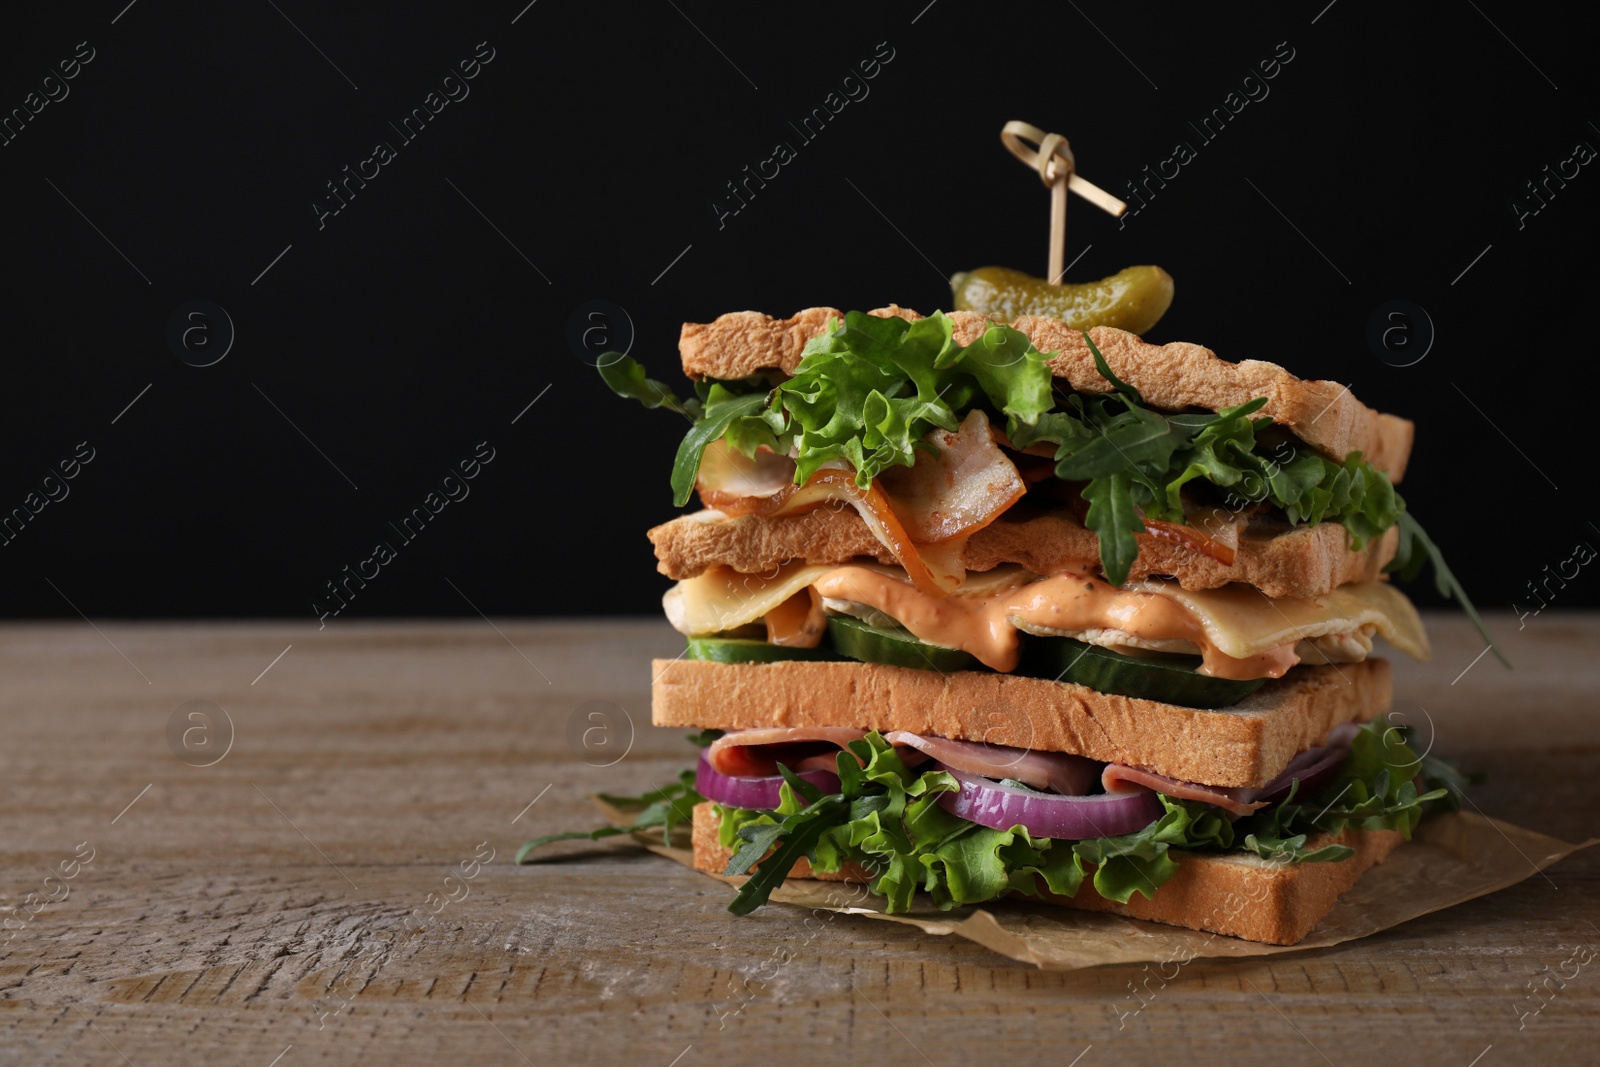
x=982, y=625
x=798, y=622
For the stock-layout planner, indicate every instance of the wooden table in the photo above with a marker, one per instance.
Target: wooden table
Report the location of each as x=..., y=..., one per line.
x=257, y=911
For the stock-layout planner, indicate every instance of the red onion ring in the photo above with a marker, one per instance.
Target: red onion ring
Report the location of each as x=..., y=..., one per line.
x=757, y=794
x=1000, y=807
x=1313, y=773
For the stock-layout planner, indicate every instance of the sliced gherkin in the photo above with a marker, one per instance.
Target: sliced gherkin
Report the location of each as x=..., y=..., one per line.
x=1133, y=299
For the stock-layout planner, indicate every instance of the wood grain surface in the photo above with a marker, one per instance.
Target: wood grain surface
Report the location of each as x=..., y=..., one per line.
x=274, y=908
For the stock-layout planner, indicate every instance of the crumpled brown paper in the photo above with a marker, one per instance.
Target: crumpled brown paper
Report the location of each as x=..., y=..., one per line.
x=1452, y=858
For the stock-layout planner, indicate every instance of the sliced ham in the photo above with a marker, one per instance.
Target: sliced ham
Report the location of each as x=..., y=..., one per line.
x=1119, y=779
x=1058, y=772
x=1239, y=801
x=757, y=753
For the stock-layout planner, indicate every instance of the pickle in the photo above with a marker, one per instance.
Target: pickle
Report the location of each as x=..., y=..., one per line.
x=1132, y=299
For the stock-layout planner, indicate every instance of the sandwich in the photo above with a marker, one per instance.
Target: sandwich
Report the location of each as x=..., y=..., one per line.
x=978, y=610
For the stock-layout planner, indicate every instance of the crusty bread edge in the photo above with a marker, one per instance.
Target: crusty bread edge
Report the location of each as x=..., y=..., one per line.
x=1245, y=745
x=1235, y=895
x=1173, y=376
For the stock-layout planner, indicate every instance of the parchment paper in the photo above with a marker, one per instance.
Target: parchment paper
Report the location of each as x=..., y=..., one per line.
x=1452, y=858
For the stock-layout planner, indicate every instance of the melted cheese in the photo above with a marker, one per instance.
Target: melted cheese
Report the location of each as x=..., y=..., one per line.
x=1238, y=631
x=723, y=599
x=1242, y=621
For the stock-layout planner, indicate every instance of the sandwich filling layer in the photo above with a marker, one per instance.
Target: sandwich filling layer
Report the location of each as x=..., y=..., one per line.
x=931, y=437
x=1236, y=631
x=959, y=822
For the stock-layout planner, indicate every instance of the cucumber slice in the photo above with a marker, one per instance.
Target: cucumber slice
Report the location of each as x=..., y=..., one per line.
x=897, y=648
x=1171, y=679
x=749, y=650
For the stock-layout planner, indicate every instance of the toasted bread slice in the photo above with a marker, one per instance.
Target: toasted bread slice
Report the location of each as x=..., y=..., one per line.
x=1173, y=377
x=1227, y=893
x=1279, y=560
x=1247, y=744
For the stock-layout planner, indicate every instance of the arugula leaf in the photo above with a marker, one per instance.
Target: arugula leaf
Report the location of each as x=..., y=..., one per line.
x=1374, y=790
x=626, y=377
x=1439, y=773
x=795, y=838
x=1408, y=562
x=1136, y=440
x=1115, y=520
x=667, y=807
x=1100, y=364
x=704, y=738
x=722, y=408
x=799, y=785
x=1219, y=451
x=1293, y=850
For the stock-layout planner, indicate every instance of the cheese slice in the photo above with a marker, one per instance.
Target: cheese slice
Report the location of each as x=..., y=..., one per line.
x=724, y=599
x=1241, y=621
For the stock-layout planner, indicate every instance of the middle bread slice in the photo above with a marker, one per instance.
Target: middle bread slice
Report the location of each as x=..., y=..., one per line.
x=1279, y=560
x=1245, y=745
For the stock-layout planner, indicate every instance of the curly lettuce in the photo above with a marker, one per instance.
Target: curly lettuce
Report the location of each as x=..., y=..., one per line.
x=867, y=392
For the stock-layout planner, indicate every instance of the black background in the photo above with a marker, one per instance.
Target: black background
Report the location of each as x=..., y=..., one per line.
x=410, y=327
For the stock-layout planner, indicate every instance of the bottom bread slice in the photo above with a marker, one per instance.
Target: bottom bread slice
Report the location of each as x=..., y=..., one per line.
x=1235, y=894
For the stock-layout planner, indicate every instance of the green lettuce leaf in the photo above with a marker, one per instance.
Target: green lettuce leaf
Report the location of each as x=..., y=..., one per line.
x=1139, y=862
x=868, y=392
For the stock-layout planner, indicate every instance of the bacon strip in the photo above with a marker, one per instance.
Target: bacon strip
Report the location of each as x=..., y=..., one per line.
x=922, y=513
x=1191, y=538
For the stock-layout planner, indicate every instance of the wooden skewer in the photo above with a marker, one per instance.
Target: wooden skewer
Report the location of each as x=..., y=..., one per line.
x=1051, y=156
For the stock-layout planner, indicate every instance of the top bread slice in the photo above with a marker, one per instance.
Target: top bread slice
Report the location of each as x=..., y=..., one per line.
x=1173, y=377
